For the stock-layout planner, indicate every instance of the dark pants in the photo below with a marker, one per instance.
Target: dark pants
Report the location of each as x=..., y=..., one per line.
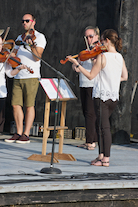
x=89, y=114
x=103, y=112
x=2, y=113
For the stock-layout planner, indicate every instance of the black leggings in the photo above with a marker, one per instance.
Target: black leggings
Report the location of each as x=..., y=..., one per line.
x=2, y=113
x=103, y=112
x=89, y=114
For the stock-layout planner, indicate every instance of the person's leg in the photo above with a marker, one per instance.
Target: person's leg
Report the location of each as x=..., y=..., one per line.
x=29, y=93
x=97, y=108
x=2, y=114
x=82, y=97
x=17, y=103
x=98, y=111
x=29, y=118
x=18, y=117
x=106, y=110
x=104, y=134
x=29, y=101
x=90, y=118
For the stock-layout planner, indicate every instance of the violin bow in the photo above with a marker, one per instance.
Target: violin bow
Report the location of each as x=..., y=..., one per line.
x=87, y=45
x=6, y=33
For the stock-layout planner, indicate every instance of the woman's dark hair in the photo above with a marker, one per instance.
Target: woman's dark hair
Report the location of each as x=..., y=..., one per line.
x=113, y=37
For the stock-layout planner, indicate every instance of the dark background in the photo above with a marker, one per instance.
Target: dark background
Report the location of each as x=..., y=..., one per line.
x=63, y=23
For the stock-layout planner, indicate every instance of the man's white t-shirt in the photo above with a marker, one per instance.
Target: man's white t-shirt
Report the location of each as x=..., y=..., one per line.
x=27, y=57
x=83, y=80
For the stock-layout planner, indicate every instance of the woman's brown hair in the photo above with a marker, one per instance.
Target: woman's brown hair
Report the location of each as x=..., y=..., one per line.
x=113, y=37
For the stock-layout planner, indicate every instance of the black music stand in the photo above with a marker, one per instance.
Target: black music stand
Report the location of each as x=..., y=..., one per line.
x=51, y=169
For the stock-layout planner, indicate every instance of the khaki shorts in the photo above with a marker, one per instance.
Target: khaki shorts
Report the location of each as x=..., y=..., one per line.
x=24, y=91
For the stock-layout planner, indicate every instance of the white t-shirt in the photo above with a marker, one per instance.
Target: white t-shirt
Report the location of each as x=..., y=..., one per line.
x=4, y=68
x=27, y=57
x=83, y=80
x=107, y=83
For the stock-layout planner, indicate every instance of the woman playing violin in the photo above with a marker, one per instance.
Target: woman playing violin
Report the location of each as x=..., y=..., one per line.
x=5, y=68
x=25, y=84
x=110, y=69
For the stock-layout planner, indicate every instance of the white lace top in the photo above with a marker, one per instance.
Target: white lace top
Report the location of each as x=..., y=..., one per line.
x=107, y=82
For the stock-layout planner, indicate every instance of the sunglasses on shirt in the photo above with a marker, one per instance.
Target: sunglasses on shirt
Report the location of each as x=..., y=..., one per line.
x=27, y=20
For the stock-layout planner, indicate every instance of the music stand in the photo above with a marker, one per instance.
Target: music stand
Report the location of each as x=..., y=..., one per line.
x=53, y=170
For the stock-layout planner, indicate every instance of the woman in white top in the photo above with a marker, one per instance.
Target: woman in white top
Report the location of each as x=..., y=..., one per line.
x=5, y=69
x=110, y=69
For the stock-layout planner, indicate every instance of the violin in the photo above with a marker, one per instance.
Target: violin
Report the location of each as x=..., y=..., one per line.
x=12, y=61
x=29, y=35
x=88, y=54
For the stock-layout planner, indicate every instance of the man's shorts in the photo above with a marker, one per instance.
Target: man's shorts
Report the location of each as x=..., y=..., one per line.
x=24, y=91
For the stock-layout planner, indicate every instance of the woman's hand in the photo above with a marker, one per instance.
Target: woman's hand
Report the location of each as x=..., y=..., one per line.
x=75, y=63
x=72, y=60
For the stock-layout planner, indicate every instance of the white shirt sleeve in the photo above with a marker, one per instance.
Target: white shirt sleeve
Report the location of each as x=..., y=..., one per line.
x=8, y=70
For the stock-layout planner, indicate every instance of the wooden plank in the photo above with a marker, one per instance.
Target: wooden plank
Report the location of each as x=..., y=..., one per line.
x=42, y=158
x=57, y=128
x=63, y=156
x=62, y=198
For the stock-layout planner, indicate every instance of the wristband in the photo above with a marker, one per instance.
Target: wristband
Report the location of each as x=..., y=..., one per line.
x=77, y=65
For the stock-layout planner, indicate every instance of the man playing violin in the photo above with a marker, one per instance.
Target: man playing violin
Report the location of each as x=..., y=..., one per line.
x=86, y=88
x=26, y=84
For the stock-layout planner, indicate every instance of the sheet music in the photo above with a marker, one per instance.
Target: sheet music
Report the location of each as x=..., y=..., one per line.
x=50, y=88
x=64, y=89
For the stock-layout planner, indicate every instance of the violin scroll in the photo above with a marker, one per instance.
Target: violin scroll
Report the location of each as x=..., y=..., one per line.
x=66, y=60
x=30, y=70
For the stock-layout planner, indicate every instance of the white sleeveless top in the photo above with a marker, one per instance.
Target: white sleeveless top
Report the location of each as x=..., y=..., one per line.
x=83, y=80
x=107, y=82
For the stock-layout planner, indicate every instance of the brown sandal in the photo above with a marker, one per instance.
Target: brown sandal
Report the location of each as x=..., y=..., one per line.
x=94, y=161
x=83, y=146
x=102, y=163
